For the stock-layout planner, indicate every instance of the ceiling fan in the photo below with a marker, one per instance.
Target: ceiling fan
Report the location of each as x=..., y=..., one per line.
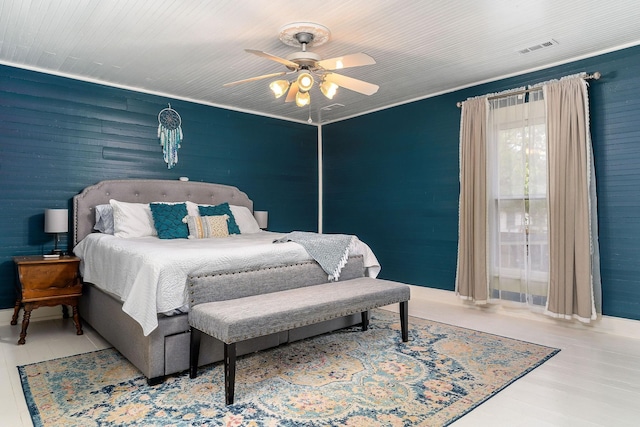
x=309, y=66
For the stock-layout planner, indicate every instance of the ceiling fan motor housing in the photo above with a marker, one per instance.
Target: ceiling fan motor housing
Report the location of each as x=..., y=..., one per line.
x=307, y=60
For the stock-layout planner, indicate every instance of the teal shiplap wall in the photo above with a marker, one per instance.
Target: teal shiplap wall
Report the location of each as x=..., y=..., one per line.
x=391, y=177
x=59, y=135
x=377, y=174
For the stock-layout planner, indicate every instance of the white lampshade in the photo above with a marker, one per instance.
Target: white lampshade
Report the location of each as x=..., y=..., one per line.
x=262, y=218
x=56, y=220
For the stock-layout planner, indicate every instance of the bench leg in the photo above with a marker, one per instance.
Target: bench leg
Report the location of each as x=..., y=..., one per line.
x=194, y=352
x=229, y=372
x=155, y=381
x=365, y=320
x=404, y=320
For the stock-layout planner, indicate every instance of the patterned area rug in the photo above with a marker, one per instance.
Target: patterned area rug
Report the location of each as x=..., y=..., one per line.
x=347, y=378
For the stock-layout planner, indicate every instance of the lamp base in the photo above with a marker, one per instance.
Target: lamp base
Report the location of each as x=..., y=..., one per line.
x=57, y=252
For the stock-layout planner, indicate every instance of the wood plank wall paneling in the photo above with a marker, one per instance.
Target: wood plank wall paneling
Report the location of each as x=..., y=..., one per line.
x=391, y=177
x=377, y=169
x=59, y=135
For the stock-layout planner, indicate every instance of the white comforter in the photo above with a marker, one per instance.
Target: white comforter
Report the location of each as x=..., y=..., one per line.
x=149, y=274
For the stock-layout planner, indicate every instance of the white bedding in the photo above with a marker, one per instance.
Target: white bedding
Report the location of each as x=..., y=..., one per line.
x=149, y=274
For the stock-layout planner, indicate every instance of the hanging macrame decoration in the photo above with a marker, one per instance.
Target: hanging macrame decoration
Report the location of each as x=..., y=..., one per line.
x=170, y=134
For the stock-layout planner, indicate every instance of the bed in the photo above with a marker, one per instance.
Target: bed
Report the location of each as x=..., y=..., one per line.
x=149, y=327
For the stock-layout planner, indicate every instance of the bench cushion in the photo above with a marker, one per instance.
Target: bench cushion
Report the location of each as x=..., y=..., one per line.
x=259, y=315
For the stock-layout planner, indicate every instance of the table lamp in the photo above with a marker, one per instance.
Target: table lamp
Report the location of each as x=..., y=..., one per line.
x=56, y=221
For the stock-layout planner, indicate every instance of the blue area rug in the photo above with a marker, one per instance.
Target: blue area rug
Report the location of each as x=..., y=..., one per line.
x=346, y=378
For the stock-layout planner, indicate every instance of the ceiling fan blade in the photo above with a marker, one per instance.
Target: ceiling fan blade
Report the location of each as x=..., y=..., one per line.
x=293, y=91
x=353, y=60
x=286, y=62
x=352, y=84
x=253, y=79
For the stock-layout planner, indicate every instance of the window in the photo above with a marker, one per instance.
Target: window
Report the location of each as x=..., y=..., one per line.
x=518, y=224
x=528, y=219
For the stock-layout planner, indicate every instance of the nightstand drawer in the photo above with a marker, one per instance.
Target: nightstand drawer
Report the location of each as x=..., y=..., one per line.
x=49, y=280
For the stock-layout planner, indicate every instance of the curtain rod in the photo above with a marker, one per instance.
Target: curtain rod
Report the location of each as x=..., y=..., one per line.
x=594, y=76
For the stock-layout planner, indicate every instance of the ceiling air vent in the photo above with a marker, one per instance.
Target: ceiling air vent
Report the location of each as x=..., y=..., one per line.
x=332, y=107
x=539, y=46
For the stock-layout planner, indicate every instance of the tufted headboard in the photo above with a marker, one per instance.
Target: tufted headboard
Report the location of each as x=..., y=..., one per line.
x=147, y=191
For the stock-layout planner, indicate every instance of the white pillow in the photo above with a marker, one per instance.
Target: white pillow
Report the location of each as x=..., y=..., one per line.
x=104, y=219
x=132, y=219
x=245, y=220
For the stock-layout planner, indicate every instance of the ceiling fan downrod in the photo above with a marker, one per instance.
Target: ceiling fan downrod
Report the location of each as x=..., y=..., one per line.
x=304, y=39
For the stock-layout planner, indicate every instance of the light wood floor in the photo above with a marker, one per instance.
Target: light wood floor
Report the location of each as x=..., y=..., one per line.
x=593, y=381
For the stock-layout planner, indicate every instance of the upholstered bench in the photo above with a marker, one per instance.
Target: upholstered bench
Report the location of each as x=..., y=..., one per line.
x=233, y=321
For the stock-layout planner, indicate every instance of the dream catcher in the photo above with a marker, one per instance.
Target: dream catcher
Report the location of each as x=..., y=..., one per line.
x=170, y=134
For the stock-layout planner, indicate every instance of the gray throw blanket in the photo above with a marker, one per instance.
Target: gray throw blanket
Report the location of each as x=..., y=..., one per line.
x=331, y=251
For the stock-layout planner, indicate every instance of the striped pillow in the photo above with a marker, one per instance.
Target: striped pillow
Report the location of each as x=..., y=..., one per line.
x=203, y=227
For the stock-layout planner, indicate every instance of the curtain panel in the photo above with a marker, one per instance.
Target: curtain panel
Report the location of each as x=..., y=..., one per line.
x=571, y=243
x=472, y=277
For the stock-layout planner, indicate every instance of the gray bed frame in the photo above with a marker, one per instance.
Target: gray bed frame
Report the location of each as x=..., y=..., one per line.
x=166, y=350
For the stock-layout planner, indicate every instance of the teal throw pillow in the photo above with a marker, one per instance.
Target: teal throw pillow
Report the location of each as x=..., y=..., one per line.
x=221, y=209
x=167, y=219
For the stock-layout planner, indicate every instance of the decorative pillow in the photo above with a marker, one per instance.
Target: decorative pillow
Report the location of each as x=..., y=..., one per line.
x=104, y=219
x=167, y=219
x=192, y=208
x=132, y=219
x=245, y=220
x=203, y=227
x=221, y=209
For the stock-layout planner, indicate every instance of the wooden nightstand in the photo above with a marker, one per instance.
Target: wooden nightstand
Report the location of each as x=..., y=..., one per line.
x=43, y=282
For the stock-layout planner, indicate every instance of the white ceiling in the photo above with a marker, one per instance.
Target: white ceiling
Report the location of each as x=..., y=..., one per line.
x=188, y=49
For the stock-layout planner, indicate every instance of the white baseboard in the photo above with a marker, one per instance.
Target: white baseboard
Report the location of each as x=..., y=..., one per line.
x=42, y=313
x=605, y=324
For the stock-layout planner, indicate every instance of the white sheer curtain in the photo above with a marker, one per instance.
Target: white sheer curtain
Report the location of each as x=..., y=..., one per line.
x=517, y=217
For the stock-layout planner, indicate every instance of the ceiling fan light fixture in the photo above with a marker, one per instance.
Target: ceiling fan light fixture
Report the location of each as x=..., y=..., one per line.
x=309, y=65
x=279, y=87
x=328, y=89
x=302, y=99
x=305, y=82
